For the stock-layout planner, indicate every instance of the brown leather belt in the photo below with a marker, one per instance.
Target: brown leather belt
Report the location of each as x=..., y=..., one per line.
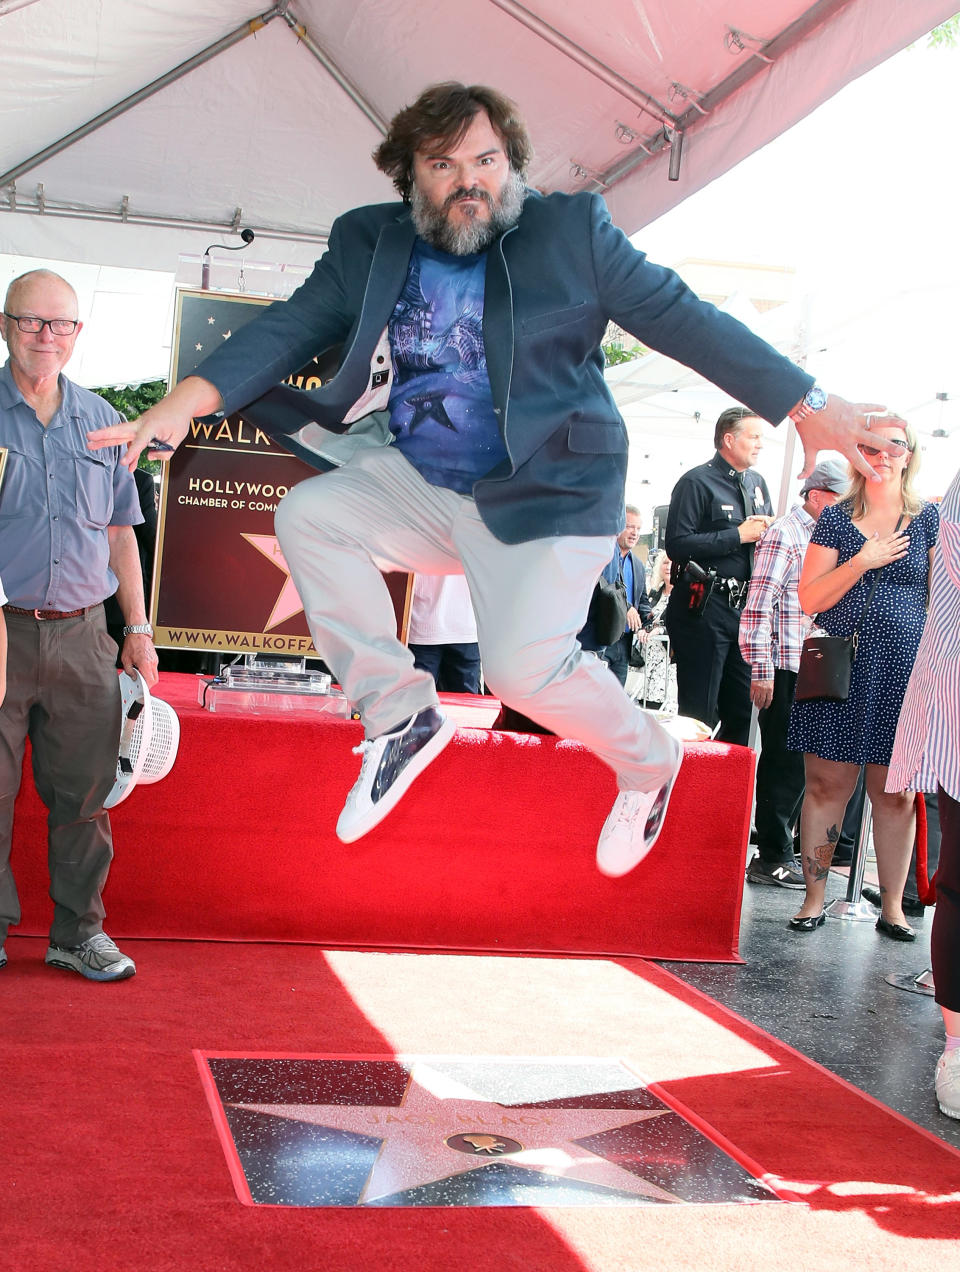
x=45, y=614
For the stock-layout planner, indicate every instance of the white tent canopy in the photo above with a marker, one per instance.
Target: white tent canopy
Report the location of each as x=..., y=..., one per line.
x=135, y=132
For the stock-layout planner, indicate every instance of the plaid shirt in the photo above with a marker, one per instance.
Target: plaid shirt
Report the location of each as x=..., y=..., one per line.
x=772, y=624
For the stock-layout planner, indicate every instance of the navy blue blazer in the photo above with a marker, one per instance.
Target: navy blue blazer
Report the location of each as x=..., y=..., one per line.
x=553, y=283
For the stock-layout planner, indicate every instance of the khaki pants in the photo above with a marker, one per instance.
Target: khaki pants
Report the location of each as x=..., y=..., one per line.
x=62, y=692
x=530, y=601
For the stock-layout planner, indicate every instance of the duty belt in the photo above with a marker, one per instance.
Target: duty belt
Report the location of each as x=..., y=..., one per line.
x=735, y=590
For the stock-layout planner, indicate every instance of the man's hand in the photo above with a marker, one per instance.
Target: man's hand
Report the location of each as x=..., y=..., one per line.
x=138, y=653
x=761, y=693
x=754, y=526
x=167, y=422
x=843, y=426
x=634, y=621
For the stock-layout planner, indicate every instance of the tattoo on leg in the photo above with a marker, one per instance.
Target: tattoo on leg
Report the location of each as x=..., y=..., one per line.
x=818, y=865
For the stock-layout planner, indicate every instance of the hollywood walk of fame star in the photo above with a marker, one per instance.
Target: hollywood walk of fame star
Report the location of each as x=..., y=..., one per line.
x=429, y=406
x=288, y=601
x=442, y=1129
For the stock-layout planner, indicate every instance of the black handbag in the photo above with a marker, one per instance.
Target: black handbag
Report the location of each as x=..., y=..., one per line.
x=608, y=610
x=825, y=666
x=827, y=661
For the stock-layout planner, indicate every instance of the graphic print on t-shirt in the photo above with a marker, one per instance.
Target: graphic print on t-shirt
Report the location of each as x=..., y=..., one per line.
x=441, y=408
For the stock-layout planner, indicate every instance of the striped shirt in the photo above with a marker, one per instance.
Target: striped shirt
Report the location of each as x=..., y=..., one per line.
x=927, y=746
x=772, y=624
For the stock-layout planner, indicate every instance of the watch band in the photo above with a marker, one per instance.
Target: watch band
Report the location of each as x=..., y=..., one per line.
x=137, y=629
x=814, y=400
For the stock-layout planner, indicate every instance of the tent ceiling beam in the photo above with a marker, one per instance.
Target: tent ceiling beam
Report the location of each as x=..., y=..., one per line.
x=122, y=214
x=250, y=27
x=351, y=90
x=760, y=58
x=586, y=60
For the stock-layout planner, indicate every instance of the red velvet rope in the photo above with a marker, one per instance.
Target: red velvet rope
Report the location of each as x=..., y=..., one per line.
x=926, y=888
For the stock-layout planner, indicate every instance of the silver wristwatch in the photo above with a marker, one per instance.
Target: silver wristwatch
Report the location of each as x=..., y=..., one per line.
x=815, y=399
x=138, y=629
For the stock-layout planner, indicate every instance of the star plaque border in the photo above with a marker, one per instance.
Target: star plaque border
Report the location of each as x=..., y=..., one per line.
x=407, y=1131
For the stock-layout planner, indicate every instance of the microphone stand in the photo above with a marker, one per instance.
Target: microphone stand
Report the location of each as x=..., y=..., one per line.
x=246, y=234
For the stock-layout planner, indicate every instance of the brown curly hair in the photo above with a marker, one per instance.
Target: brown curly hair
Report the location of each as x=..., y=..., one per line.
x=442, y=114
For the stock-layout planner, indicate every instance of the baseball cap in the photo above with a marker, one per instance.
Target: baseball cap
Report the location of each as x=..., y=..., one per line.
x=829, y=475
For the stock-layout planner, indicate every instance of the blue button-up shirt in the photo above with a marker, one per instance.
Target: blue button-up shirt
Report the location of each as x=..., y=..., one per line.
x=57, y=500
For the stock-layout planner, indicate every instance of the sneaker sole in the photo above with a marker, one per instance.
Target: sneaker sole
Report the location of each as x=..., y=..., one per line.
x=423, y=758
x=55, y=959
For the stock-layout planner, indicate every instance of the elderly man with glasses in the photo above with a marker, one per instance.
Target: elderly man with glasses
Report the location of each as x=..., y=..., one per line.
x=66, y=543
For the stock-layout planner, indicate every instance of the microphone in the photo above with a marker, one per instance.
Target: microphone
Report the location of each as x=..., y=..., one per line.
x=246, y=234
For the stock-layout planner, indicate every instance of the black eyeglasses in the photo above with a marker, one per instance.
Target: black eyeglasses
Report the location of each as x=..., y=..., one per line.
x=878, y=450
x=58, y=326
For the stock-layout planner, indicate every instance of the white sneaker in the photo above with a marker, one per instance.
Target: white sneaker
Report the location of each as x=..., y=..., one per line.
x=947, y=1083
x=388, y=769
x=634, y=824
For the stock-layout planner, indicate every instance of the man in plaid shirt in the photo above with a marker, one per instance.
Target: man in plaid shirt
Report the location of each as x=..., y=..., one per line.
x=772, y=628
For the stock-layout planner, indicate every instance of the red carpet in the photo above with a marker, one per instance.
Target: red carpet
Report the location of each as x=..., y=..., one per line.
x=111, y=1159
x=493, y=849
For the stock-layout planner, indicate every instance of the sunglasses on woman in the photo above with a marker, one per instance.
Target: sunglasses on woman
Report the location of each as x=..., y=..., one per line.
x=878, y=450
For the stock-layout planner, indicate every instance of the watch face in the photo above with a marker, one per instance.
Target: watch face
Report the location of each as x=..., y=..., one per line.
x=816, y=398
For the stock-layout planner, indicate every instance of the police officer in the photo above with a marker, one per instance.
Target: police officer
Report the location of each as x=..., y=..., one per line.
x=718, y=511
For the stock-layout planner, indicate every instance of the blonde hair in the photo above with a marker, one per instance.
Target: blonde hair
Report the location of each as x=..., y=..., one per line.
x=855, y=498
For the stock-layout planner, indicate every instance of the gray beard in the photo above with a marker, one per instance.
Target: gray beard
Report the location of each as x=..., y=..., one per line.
x=475, y=235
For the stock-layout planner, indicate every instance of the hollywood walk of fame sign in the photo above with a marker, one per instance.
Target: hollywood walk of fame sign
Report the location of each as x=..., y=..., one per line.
x=428, y=1131
x=220, y=579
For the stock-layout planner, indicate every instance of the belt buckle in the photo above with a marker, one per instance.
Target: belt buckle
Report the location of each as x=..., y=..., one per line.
x=38, y=615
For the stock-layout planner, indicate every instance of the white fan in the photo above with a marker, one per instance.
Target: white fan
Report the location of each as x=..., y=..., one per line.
x=149, y=738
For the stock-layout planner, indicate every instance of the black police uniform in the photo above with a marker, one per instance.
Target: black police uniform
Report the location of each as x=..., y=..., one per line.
x=707, y=505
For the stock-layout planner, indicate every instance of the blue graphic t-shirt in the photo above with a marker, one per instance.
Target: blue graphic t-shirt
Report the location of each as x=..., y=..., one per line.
x=441, y=408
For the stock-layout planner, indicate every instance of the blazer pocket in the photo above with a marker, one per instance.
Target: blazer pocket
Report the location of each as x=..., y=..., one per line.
x=555, y=318
x=597, y=437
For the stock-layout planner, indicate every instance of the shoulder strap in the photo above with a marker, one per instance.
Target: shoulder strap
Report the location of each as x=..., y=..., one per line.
x=873, y=588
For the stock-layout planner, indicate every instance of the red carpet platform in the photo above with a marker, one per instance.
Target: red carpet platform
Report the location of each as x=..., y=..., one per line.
x=492, y=849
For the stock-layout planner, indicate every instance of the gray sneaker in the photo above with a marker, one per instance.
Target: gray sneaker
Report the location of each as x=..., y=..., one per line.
x=781, y=874
x=3, y=957
x=96, y=958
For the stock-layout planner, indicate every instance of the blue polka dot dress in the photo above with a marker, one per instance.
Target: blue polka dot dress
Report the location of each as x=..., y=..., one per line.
x=861, y=730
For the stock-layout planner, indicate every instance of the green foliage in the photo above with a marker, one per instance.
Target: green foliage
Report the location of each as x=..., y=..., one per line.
x=615, y=353
x=130, y=401
x=946, y=35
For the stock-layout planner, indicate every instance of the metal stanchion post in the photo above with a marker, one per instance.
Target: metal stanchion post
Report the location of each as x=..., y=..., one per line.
x=853, y=906
x=921, y=984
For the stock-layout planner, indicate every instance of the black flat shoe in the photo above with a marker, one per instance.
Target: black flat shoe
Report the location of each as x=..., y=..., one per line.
x=808, y=925
x=897, y=931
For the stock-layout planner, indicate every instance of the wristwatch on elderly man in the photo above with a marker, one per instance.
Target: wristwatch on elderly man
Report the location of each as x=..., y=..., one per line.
x=137, y=629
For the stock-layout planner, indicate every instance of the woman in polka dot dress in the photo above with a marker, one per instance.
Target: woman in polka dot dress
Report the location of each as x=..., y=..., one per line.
x=881, y=526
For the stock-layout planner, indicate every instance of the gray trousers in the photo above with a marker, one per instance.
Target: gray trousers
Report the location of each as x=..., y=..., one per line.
x=62, y=692
x=530, y=601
